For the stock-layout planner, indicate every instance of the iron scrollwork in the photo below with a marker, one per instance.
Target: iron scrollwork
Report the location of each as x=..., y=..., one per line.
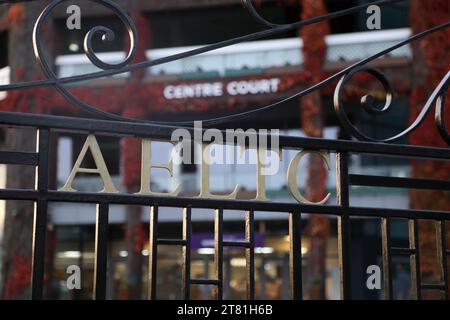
x=107, y=35
x=439, y=96
x=108, y=69
x=370, y=106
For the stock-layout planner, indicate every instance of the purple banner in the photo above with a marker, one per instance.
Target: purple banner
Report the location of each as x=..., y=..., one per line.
x=206, y=240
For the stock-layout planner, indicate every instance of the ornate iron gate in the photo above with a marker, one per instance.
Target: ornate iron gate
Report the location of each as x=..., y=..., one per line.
x=117, y=126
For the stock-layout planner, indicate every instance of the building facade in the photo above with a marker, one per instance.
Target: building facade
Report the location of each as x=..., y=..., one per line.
x=220, y=82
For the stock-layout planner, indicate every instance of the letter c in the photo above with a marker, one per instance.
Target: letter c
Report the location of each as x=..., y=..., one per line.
x=292, y=175
x=168, y=92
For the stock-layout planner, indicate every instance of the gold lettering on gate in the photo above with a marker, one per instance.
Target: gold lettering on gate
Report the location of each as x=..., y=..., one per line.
x=204, y=173
x=146, y=167
x=260, y=174
x=101, y=169
x=292, y=175
x=205, y=192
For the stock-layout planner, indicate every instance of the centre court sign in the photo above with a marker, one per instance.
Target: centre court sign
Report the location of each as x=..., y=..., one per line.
x=219, y=89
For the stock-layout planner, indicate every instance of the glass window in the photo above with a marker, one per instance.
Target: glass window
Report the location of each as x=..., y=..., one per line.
x=185, y=28
x=381, y=127
x=392, y=16
x=3, y=49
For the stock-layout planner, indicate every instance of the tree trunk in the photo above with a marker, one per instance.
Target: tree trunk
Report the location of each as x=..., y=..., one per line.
x=18, y=223
x=135, y=234
x=431, y=63
x=314, y=52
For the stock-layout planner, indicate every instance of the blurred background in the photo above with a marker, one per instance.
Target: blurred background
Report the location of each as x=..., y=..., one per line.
x=249, y=75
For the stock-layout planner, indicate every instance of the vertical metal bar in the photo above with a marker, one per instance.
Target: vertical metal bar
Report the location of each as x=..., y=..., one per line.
x=218, y=250
x=386, y=248
x=343, y=224
x=38, y=246
x=295, y=256
x=42, y=142
x=250, y=254
x=152, y=256
x=442, y=254
x=262, y=279
x=186, y=263
x=414, y=259
x=40, y=217
x=227, y=275
x=101, y=251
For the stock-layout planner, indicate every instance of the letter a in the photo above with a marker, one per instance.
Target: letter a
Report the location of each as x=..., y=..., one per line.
x=74, y=20
x=91, y=144
x=374, y=20
x=373, y=281
x=74, y=280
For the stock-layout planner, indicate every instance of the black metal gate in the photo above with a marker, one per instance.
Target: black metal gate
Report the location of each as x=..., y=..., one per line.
x=343, y=149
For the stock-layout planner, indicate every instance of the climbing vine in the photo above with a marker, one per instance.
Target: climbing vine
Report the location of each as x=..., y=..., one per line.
x=432, y=62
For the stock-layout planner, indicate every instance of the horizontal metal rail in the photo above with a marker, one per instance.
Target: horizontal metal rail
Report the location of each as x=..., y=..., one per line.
x=19, y=158
x=204, y=203
x=396, y=182
x=115, y=128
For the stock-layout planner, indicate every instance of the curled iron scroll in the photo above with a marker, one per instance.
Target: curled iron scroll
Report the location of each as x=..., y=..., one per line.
x=107, y=35
x=108, y=69
x=248, y=4
x=441, y=93
x=369, y=105
x=368, y=102
x=125, y=66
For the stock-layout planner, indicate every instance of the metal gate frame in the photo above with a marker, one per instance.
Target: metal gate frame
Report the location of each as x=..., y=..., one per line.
x=111, y=124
